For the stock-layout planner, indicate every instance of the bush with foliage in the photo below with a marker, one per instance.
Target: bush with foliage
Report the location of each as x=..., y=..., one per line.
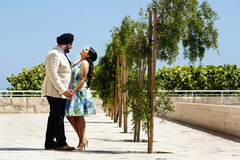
x=29, y=79
x=208, y=77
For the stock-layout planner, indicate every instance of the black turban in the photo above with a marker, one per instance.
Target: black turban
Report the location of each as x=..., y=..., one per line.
x=65, y=38
x=93, y=54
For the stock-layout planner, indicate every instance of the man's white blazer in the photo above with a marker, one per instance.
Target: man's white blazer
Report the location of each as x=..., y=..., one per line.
x=58, y=76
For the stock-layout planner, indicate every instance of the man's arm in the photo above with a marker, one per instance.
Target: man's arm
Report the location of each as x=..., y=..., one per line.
x=52, y=65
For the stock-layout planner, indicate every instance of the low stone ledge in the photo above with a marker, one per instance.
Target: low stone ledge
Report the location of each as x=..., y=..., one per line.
x=183, y=99
x=35, y=100
x=214, y=100
x=5, y=101
x=19, y=101
x=12, y=109
x=233, y=110
x=42, y=109
x=200, y=100
x=209, y=100
x=45, y=101
x=2, y=109
x=221, y=118
x=27, y=109
x=230, y=100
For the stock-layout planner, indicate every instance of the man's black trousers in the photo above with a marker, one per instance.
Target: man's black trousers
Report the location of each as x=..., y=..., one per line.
x=55, y=125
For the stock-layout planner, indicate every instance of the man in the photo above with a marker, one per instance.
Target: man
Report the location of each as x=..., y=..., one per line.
x=56, y=86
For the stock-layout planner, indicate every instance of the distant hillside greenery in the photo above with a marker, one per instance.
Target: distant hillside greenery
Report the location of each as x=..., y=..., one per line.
x=209, y=77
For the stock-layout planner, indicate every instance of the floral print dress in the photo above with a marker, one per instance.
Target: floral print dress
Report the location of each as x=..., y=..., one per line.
x=81, y=103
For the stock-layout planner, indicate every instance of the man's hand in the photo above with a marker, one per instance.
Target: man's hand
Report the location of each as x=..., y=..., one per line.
x=68, y=93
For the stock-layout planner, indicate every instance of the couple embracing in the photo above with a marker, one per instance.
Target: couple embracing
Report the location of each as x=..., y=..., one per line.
x=66, y=87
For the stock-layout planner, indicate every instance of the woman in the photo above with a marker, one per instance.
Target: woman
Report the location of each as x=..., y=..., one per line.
x=81, y=103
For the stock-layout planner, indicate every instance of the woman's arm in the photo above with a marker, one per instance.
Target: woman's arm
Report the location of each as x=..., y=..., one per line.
x=84, y=69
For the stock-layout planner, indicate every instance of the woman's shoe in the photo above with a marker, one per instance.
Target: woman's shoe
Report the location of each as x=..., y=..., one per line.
x=85, y=142
x=81, y=146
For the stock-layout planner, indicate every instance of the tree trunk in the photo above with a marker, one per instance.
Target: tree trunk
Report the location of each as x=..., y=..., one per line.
x=141, y=81
x=112, y=108
x=124, y=71
x=135, y=132
x=150, y=143
x=119, y=97
x=138, y=130
x=116, y=92
x=126, y=94
x=138, y=121
x=149, y=61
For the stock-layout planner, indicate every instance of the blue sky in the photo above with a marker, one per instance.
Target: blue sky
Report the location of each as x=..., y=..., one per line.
x=29, y=29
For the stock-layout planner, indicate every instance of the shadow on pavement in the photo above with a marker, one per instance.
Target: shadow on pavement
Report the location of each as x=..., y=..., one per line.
x=85, y=151
x=102, y=152
x=109, y=140
x=22, y=149
x=121, y=152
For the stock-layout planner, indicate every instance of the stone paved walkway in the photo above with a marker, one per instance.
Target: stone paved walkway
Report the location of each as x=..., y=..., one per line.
x=22, y=137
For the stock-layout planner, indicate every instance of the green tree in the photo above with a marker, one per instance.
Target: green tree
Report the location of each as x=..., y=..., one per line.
x=104, y=78
x=29, y=79
x=183, y=22
x=188, y=23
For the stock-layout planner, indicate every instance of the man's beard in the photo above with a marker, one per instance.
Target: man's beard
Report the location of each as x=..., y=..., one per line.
x=66, y=50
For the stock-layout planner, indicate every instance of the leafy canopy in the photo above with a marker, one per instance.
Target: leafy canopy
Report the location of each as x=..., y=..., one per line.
x=188, y=23
x=29, y=79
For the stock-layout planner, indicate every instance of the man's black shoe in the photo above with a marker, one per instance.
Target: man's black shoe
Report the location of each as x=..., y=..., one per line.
x=66, y=148
x=51, y=147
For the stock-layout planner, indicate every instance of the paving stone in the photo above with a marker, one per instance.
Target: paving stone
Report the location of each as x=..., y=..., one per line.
x=22, y=137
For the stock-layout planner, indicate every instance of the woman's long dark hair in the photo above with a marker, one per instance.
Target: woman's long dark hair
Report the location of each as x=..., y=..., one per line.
x=93, y=56
x=90, y=72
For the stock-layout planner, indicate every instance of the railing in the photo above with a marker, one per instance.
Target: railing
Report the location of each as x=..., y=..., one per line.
x=22, y=93
x=192, y=93
x=196, y=93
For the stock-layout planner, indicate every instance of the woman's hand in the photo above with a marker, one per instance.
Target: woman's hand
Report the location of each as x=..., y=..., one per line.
x=68, y=93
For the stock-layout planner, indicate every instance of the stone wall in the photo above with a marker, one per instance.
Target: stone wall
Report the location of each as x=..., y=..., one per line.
x=29, y=104
x=221, y=118
x=40, y=104
x=24, y=105
x=209, y=100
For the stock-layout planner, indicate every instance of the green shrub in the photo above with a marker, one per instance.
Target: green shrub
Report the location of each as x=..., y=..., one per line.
x=208, y=77
x=29, y=79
